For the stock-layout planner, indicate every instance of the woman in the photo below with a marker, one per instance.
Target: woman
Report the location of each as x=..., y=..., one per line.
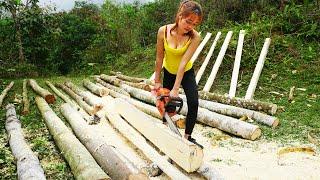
x=176, y=44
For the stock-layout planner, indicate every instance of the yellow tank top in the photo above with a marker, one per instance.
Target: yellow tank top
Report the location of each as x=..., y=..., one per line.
x=172, y=57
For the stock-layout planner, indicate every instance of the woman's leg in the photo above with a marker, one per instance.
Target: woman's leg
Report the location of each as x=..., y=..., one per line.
x=190, y=88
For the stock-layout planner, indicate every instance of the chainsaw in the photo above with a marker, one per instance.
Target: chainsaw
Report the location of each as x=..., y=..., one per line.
x=168, y=107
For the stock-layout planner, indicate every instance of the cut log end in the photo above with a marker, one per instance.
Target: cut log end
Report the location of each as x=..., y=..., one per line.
x=256, y=133
x=50, y=99
x=273, y=109
x=275, y=123
x=25, y=112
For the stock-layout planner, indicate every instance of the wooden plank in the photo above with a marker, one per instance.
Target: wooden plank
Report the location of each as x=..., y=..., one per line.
x=236, y=67
x=257, y=71
x=136, y=138
x=217, y=64
x=206, y=61
x=186, y=154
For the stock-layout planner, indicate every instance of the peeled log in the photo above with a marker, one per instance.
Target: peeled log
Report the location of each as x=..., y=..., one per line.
x=111, y=87
x=28, y=165
x=81, y=162
x=5, y=91
x=225, y=123
x=127, y=78
x=79, y=100
x=66, y=99
x=95, y=89
x=25, y=99
x=110, y=160
x=131, y=134
x=240, y=102
x=42, y=92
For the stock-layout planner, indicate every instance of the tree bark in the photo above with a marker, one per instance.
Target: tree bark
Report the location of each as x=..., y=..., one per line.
x=95, y=89
x=127, y=78
x=90, y=110
x=117, y=82
x=66, y=99
x=238, y=112
x=28, y=165
x=108, y=157
x=131, y=134
x=81, y=162
x=240, y=102
x=5, y=92
x=42, y=92
x=225, y=123
x=86, y=95
x=111, y=87
x=25, y=97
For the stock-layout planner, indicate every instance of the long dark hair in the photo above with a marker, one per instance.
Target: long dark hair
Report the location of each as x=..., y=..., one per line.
x=185, y=9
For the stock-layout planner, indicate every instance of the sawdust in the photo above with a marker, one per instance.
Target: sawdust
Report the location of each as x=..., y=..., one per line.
x=236, y=158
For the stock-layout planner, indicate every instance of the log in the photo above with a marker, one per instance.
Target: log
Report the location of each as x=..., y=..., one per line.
x=117, y=82
x=127, y=78
x=5, y=92
x=200, y=47
x=90, y=110
x=225, y=123
x=236, y=67
x=82, y=164
x=217, y=64
x=207, y=59
x=42, y=92
x=111, y=161
x=131, y=134
x=186, y=154
x=269, y=108
x=238, y=112
x=86, y=95
x=25, y=99
x=28, y=165
x=95, y=89
x=66, y=99
x=111, y=87
x=257, y=71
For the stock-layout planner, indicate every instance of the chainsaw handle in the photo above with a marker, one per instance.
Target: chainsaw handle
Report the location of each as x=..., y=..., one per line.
x=177, y=101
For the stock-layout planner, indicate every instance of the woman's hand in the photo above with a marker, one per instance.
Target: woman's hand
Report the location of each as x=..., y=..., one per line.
x=174, y=93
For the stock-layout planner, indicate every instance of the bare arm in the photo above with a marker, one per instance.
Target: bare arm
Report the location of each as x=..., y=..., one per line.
x=159, y=55
x=185, y=59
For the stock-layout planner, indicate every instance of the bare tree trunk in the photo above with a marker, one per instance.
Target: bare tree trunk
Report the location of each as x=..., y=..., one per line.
x=117, y=82
x=108, y=157
x=66, y=99
x=127, y=78
x=42, y=92
x=18, y=33
x=25, y=97
x=95, y=89
x=79, y=100
x=81, y=162
x=5, y=92
x=111, y=87
x=28, y=165
x=240, y=102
